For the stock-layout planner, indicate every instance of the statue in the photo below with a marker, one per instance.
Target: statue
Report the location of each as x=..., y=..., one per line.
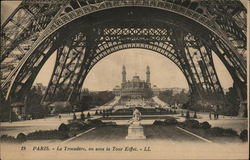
x=135, y=129
x=136, y=115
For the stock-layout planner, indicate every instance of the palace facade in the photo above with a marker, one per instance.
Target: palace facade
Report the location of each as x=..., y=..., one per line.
x=134, y=88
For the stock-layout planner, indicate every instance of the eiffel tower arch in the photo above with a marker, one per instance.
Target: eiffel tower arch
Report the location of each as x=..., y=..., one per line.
x=83, y=32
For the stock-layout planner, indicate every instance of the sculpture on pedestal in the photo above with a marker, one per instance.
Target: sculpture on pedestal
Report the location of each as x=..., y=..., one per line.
x=135, y=129
x=136, y=116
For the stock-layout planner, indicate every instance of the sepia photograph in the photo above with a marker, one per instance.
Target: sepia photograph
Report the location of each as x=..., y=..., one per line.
x=124, y=79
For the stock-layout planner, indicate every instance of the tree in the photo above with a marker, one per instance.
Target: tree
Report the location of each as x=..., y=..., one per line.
x=34, y=108
x=232, y=105
x=89, y=99
x=5, y=114
x=169, y=97
x=62, y=94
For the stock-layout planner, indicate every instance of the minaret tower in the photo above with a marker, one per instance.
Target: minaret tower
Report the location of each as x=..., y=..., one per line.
x=148, y=75
x=123, y=74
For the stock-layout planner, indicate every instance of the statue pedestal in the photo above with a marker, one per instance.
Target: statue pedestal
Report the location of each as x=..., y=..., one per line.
x=135, y=131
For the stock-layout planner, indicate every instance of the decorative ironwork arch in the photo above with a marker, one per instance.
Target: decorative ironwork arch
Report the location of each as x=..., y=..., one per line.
x=166, y=52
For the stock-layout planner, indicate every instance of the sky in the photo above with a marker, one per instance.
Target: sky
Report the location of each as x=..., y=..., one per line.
x=107, y=72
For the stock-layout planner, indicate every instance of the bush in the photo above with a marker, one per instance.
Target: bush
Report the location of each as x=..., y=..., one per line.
x=205, y=125
x=63, y=127
x=170, y=121
x=76, y=126
x=5, y=115
x=48, y=134
x=217, y=131
x=158, y=123
x=192, y=123
x=21, y=137
x=37, y=111
x=244, y=135
x=62, y=108
x=95, y=122
x=166, y=122
x=9, y=139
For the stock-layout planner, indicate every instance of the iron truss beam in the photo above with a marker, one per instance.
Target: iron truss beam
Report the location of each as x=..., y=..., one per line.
x=19, y=33
x=69, y=61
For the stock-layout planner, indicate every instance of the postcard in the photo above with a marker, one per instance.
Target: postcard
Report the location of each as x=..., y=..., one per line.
x=124, y=79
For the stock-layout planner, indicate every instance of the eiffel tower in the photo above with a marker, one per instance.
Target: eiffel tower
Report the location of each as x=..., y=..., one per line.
x=82, y=32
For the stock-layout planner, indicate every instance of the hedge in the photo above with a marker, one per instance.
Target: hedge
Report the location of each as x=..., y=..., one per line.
x=47, y=134
x=218, y=131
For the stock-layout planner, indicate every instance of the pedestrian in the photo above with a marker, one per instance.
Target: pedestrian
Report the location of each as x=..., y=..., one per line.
x=59, y=116
x=88, y=115
x=214, y=115
x=195, y=115
x=103, y=113
x=107, y=113
x=210, y=115
x=82, y=116
x=74, y=116
x=187, y=115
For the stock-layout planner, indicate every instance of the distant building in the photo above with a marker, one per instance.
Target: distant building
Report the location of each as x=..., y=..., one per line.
x=135, y=88
x=156, y=90
x=175, y=90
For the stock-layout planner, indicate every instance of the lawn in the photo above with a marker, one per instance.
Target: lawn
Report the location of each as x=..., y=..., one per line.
x=218, y=139
x=152, y=132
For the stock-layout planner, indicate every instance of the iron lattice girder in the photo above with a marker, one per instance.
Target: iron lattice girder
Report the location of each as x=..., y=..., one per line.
x=135, y=34
x=24, y=27
x=106, y=47
x=184, y=8
x=68, y=65
x=232, y=63
x=73, y=10
x=19, y=32
x=231, y=18
x=26, y=77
